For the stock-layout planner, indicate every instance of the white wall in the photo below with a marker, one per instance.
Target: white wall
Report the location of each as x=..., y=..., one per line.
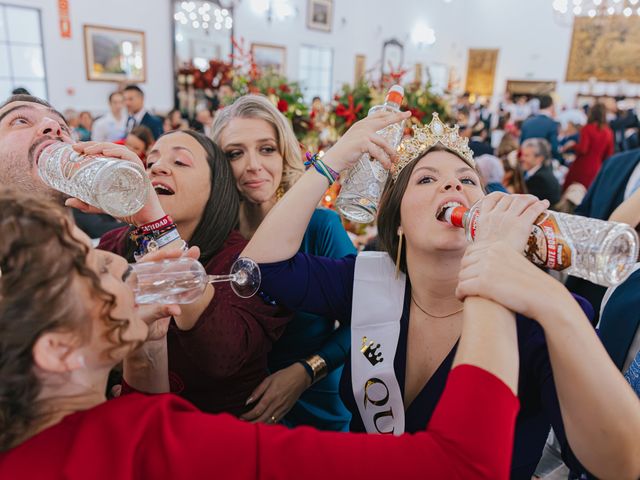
x=64, y=58
x=532, y=44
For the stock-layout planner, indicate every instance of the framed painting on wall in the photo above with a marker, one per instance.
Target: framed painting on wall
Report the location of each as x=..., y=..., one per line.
x=606, y=49
x=360, y=68
x=270, y=58
x=481, y=71
x=320, y=15
x=114, y=55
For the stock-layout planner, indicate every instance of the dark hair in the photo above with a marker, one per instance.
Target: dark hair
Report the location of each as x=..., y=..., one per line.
x=143, y=133
x=20, y=91
x=133, y=88
x=40, y=261
x=220, y=214
x=598, y=114
x=389, y=209
x=545, y=101
x=25, y=98
x=117, y=92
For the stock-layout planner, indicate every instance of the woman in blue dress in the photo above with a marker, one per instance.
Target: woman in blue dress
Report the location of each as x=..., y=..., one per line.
x=433, y=170
x=306, y=362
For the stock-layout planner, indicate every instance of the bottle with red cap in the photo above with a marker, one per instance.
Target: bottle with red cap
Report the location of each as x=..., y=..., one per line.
x=598, y=251
x=363, y=185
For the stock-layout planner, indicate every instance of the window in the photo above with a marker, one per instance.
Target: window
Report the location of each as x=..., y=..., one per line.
x=316, y=65
x=21, y=53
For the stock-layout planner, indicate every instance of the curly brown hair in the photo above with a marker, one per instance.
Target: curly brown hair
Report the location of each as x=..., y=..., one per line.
x=40, y=261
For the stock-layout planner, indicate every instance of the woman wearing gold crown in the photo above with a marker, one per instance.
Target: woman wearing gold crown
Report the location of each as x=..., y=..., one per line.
x=406, y=318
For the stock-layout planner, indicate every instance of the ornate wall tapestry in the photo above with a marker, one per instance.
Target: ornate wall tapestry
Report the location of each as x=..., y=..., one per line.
x=605, y=48
x=481, y=71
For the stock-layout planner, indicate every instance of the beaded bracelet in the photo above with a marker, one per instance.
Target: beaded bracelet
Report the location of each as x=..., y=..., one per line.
x=321, y=167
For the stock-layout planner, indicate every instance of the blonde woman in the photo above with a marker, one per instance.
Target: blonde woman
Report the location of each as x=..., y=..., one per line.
x=306, y=363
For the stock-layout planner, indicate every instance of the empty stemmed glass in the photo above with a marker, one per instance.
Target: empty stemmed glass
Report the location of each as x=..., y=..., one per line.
x=183, y=280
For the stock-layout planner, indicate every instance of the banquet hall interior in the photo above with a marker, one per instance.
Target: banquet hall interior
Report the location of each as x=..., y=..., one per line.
x=315, y=238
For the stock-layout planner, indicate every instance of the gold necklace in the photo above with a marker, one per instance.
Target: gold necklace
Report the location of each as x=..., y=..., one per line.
x=431, y=314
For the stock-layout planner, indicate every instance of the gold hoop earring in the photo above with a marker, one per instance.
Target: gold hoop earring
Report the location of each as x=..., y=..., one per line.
x=399, y=255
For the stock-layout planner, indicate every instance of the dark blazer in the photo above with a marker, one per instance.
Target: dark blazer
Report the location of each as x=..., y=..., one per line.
x=480, y=148
x=153, y=123
x=542, y=126
x=621, y=319
x=544, y=185
x=603, y=197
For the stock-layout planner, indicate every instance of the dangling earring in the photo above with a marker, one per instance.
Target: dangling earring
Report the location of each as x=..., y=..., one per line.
x=279, y=192
x=399, y=255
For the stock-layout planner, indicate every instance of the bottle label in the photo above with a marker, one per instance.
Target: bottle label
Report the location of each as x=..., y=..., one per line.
x=547, y=246
x=69, y=161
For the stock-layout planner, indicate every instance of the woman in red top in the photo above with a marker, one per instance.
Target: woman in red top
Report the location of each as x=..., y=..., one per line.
x=67, y=317
x=217, y=348
x=594, y=147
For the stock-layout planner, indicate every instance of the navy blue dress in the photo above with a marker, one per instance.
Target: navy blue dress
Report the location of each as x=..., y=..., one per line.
x=325, y=287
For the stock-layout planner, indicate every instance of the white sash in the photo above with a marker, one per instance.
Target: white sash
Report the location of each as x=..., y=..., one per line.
x=378, y=300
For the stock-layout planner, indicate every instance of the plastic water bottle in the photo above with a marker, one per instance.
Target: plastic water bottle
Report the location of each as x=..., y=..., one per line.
x=598, y=251
x=115, y=186
x=361, y=189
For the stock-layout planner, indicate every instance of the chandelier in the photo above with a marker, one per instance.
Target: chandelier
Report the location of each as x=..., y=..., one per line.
x=203, y=15
x=596, y=8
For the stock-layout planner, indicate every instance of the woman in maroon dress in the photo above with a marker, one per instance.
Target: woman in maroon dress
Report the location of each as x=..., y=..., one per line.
x=594, y=147
x=67, y=317
x=217, y=348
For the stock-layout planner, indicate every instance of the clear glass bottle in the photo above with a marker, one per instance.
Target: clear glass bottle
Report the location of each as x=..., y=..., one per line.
x=183, y=280
x=363, y=185
x=598, y=251
x=115, y=186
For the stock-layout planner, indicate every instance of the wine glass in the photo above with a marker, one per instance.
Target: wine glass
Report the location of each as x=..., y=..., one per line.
x=183, y=280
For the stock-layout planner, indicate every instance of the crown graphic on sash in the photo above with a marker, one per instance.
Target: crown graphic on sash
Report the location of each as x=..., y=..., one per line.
x=371, y=351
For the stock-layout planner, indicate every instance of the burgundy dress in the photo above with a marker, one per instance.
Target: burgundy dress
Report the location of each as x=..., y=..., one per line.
x=594, y=147
x=219, y=362
x=470, y=436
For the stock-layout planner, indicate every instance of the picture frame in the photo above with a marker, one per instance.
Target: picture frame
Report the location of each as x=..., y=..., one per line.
x=270, y=58
x=320, y=15
x=481, y=71
x=360, y=69
x=114, y=54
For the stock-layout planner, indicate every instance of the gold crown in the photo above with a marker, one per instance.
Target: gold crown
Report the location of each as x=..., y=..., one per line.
x=424, y=138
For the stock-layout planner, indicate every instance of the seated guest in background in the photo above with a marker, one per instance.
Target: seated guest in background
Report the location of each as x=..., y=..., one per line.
x=594, y=147
x=535, y=160
x=478, y=142
x=543, y=125
x=419, y=311
x=20, y=91
x=111, y=126
x=138, y=115
x=67, y=317
x=203, y=121
x=139, y=141
x=173, y=121
x=73, y=121
x=498, y=133
x=491, y=173
x=218, y=346
x=85, y=123
x=513, y=177
x=306, y=362
x=616, y=182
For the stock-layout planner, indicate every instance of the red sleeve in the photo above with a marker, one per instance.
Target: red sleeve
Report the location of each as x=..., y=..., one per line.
x=470, y=436
x=584, y=143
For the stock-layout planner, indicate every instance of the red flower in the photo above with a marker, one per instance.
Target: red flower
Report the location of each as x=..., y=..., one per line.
x=284, y=88
x=283, y=106
x=271, y=90
x=350, y=113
